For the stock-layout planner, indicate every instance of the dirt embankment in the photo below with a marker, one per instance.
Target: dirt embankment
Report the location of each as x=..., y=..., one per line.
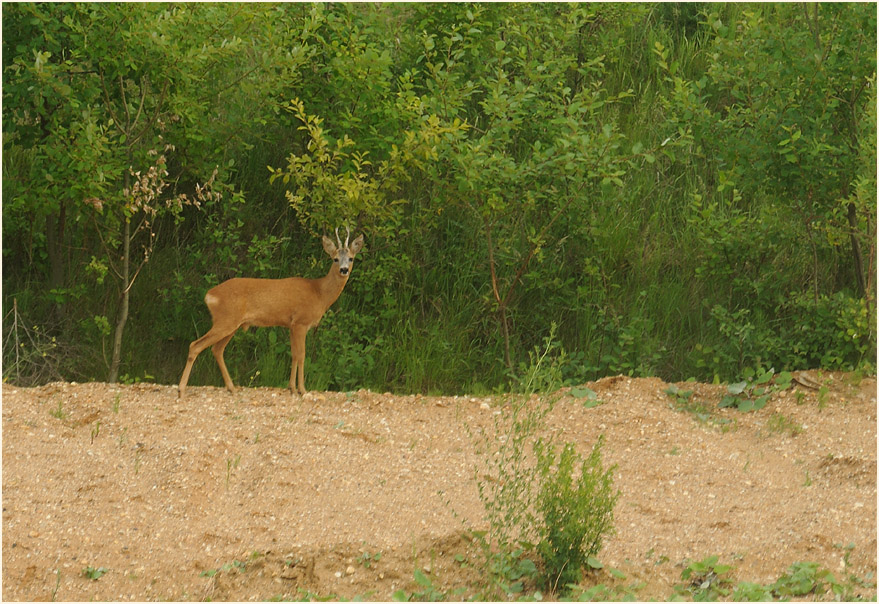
x=263, y=495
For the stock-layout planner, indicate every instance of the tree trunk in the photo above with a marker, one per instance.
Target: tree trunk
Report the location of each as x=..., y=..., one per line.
x=122, y=316
x=55, y=251
x=501, y=303
x=857, y=256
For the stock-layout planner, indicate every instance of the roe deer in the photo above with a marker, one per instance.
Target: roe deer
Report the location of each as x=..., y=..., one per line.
x=295, y=303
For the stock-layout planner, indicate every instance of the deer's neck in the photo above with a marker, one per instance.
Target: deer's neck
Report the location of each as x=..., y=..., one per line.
x=331, y=286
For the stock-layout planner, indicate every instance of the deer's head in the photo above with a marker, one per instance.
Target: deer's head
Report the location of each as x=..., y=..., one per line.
x=343, y=255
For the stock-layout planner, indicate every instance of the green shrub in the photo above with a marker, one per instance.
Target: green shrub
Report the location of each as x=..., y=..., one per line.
x=574, y=512
x=538, y=503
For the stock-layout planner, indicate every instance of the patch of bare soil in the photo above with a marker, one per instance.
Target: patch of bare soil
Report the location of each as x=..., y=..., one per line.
x=263, y=495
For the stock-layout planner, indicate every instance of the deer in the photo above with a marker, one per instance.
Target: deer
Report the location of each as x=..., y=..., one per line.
x=295, y=303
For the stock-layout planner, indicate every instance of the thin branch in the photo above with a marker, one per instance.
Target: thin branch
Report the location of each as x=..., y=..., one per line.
x=144, y=85
x=494, y=288
x=107, y=101
x=125, y=105
x=152, y=120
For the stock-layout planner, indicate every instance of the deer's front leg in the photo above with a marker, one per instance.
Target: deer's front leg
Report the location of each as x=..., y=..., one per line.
x=297, y=352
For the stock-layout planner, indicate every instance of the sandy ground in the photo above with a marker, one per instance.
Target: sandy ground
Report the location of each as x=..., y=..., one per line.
x=263, y=495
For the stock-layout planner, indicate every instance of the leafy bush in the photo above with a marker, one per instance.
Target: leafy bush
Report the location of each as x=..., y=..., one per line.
x=558, y=506
x=831, y=332
x=575, y=513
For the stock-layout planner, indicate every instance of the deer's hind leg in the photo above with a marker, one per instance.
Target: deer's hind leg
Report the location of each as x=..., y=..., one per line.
x=218, y=349
x=211, y=338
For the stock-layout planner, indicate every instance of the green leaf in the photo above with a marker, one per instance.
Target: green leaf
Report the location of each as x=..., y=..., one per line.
x=783, y=380
x=422, y=579
x=728, y=401
x=583, y=392
x=746, y=405
x=526, y=567
x=737, y=388
x=765, y=377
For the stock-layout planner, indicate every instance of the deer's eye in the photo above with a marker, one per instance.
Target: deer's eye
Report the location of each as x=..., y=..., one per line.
x=335, y=259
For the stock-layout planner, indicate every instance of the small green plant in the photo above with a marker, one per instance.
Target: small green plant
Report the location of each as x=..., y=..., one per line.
x=807, y=481
x=59, y=412
x=57, y=584
x=116, y=402
x=705, y=580
x=823, y=393
x=756, y=389
x=590, y=396
x=801, y=579
x=781, y=424
x=601, y=592
x=684, y=402
x=807, y=578
x=543, y=372
x=428, y=593
x=366, y=559
x=306, y=595
x=746, y=591
x=94, y=573
x=231, y=464
x=128, y=380
x=235, y=564
x=848, y=552
x=95, y=430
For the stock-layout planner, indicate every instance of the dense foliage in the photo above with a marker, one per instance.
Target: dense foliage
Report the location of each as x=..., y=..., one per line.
x=685, y=189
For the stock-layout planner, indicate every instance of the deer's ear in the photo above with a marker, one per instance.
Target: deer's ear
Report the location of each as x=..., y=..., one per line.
x=329, y=246
x=356, y=245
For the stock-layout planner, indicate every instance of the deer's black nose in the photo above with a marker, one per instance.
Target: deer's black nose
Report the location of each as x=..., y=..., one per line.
x=343, y=270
